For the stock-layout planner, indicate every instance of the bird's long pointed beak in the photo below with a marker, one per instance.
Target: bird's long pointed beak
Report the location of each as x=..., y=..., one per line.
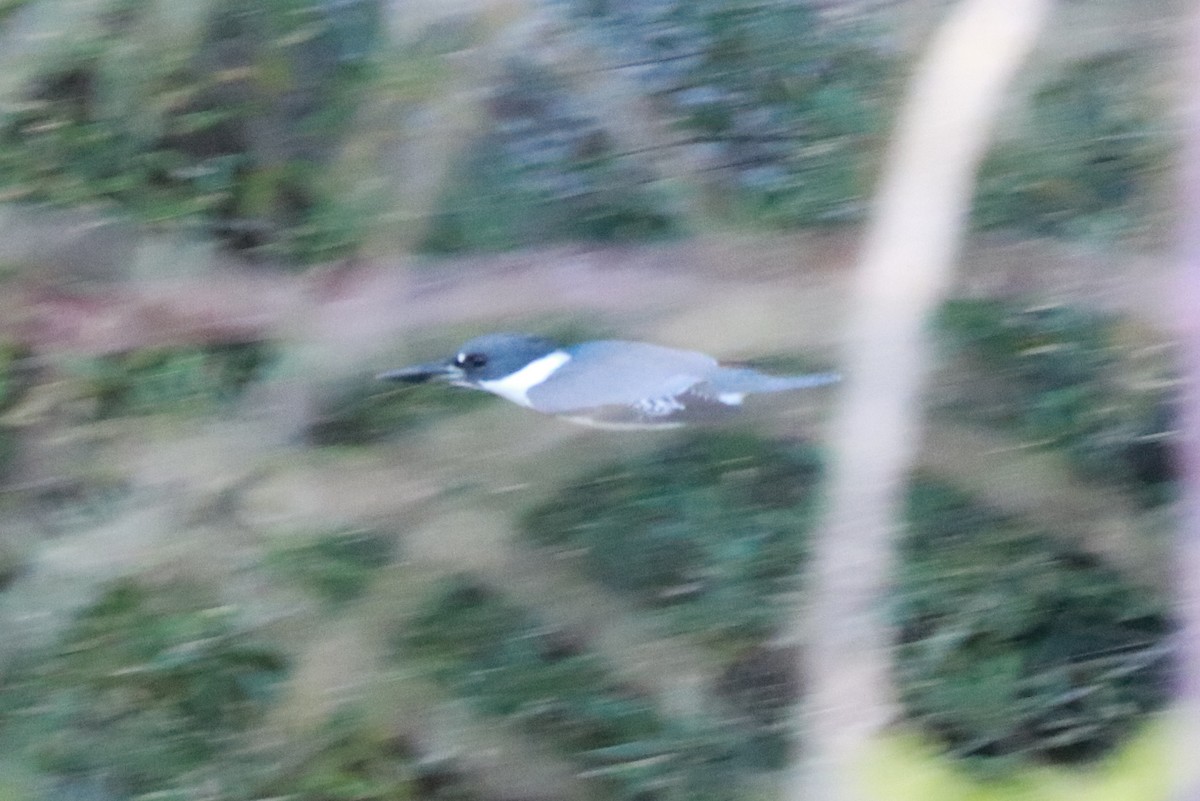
x=445, y=370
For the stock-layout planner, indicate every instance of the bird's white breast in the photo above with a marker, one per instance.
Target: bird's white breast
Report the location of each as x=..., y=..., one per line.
x=515, y=386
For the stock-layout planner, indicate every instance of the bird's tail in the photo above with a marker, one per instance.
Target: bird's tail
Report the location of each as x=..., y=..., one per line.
x=743, y=380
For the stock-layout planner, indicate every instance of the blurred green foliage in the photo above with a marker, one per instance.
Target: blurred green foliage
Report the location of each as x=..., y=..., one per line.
x=153, y=380
x=358, y=760
x=546, y=170
x=1014, y=649
x=88, y=495
x=338, y=566
x=783, y=108
x=356, y=764
x=147, y=692
x=9, y=354
x=8, y=451
x=709, y=531
x=11, y=387
x=9, y=6
x=251, y=129
x=366, y=410
x=1061, y=377
x=544, y=679
x=756, y=693
x=14, y=558
x=233, y=131
x=1092, y=147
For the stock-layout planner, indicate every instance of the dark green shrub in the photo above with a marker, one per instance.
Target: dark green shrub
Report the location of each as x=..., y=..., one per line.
x=87, y=496
x=547, y=170
x=511, y=665
x=367, y=411
x=1015, y=649
x=13, y=560
x=355, y=763
x=781, y=106
x=155, y=380
x=234, y=133
x=1060, y=377
x=9, y=7
x=500, y=656
x=9, y=381
x=711, y=530
x=1091, y=151
x=8, y=450
x=147, y=691
x=758, y=690
x=13, y=383
x=337, y=567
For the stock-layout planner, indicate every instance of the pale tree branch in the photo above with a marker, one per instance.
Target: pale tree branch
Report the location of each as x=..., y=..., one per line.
x=908, y=256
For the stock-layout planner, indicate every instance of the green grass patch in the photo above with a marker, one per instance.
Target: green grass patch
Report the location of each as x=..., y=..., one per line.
x=709, y=532
x=1014, y=649
x=904, y=767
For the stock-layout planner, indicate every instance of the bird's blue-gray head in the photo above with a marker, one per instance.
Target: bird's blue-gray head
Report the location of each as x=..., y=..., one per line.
x=485, y=358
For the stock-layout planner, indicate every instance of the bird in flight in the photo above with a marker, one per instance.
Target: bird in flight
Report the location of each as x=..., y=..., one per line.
x=605, y=383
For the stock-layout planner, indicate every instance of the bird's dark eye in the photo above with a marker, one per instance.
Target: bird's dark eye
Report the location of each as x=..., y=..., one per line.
x=471, y=360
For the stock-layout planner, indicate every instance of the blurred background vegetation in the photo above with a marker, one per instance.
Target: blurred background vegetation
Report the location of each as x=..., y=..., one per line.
x=232, y=566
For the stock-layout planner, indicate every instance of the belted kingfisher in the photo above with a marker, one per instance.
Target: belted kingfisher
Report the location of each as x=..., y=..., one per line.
x=607, y=383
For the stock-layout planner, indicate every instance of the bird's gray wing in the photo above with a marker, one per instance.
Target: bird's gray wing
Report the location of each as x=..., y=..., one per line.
x=615, y=373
